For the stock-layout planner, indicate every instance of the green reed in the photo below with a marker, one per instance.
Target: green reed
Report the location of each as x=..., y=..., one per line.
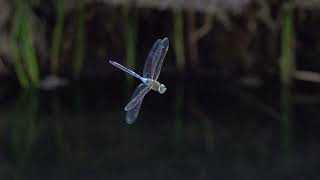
x=287, y=68
x=179, y=40
x=131, y=21
x=57, y=37
x=18, y=65
x=79, y=40
x=25, y=61
x=287, y=64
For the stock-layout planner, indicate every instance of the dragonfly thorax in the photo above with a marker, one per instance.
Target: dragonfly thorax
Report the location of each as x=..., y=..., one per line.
x=155, y=85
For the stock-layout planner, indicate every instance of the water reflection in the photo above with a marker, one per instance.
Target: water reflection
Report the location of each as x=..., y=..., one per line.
x=178, y=122
x=23, y=131
x=60, y=135
x=286, y=120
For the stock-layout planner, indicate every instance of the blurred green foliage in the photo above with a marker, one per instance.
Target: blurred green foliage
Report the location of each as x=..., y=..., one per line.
x=57, y=36
x=79, y=53
x=131, y=21
x=179, y=40
x=26, y=64
x=287, y=64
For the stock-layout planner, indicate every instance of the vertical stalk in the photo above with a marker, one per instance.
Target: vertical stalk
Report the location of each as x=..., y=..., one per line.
x=18, y=64
x=26, y=65
x=56, y=37
x=179, y=40
x=131, y=38
x=287, y=65
x=29, y=54
x=80, y=40
x=192, y=41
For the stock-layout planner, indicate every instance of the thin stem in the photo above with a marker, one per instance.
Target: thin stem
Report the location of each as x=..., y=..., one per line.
x=131, y=38
x=287, y=64
x=26, y=65
x=80, y=33
x=57, y=35
x=179, y=40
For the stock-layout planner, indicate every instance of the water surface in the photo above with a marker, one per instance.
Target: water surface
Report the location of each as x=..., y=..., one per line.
x=223, y=131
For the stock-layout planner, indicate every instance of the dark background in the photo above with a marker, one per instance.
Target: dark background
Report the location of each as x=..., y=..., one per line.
x=242, y=98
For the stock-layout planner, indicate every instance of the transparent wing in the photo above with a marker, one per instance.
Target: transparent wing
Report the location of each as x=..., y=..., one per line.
x=132, y=114
x=157, y=69
x=137, y=96
x=155, y=58
x=148, y=64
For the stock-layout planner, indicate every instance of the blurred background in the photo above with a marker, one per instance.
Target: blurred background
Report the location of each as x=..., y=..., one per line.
x=242, y=98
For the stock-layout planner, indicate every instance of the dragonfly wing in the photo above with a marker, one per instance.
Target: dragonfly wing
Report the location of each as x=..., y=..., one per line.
x=137, y=96
x=157, y=69
x=155, y=58
x=132, y=114
x=148, y=64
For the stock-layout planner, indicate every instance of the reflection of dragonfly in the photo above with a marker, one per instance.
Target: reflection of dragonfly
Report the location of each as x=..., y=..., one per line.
x=151, y=72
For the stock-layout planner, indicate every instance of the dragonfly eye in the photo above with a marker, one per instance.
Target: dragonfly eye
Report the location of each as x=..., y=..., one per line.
x=162, y=89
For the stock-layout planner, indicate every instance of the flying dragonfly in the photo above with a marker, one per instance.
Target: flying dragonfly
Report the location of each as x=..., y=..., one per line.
x=151, y=72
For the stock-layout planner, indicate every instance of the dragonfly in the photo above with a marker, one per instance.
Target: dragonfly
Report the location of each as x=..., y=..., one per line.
x=151, y=72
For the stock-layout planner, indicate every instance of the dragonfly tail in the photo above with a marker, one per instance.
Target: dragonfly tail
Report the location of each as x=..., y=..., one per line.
x=127, y=70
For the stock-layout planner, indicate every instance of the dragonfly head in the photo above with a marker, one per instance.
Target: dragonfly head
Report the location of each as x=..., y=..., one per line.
x=162, y=89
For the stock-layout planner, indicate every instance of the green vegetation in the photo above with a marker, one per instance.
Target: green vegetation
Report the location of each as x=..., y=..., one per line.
x=57, y=37
x=287, y=64
x=25, y=62
x=287, y=68
x=79, y=40
x=179, y=40
x=27, y=67
x=131, y=22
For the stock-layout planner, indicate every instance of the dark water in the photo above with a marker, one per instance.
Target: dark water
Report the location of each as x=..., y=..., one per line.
x=200, y=129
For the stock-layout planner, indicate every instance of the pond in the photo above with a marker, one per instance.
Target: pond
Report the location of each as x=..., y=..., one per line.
x=201, y=128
